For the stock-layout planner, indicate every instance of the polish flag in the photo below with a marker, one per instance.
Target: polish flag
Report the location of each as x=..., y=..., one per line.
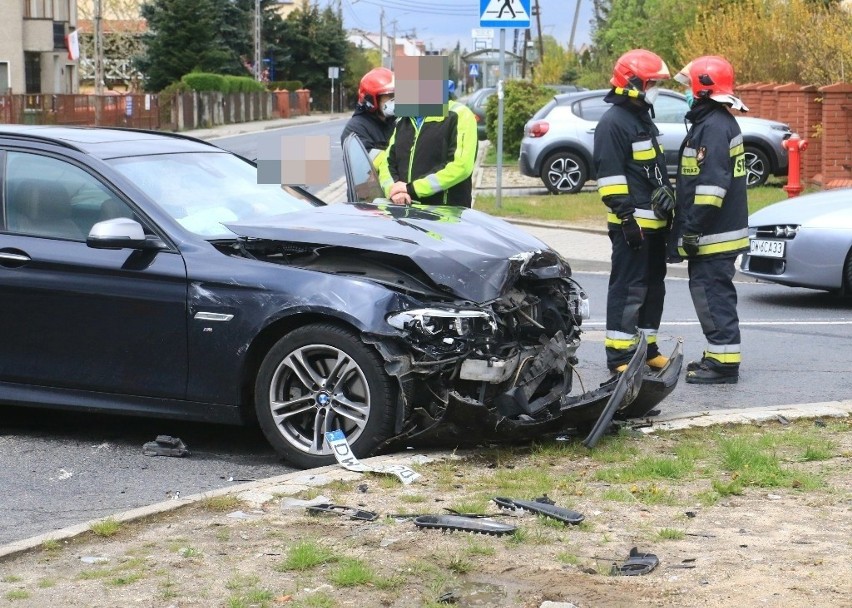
x=73, y=45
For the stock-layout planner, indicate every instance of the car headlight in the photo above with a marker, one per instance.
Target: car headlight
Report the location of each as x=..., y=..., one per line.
x=437, y=321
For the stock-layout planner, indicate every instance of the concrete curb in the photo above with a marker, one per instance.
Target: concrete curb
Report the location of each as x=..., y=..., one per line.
x=291, y=483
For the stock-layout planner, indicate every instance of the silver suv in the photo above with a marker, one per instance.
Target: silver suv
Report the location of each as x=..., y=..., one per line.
x=559, y=138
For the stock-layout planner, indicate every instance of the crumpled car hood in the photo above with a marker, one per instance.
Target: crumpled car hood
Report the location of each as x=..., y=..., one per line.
x=466, y=252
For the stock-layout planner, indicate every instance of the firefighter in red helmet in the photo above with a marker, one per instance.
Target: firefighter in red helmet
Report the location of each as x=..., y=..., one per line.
x=711, y=219
x=373, y=119
x=630, y=169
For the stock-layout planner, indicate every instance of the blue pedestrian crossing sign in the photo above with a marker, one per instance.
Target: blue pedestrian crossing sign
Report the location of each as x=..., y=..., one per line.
x=474, y=70
x=504, y=13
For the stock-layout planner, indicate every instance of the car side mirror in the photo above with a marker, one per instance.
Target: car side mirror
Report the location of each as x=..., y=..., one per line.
x=118, y=233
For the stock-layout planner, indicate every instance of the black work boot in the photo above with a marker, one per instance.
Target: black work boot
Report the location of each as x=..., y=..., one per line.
x=694, y=365
x=704, y=374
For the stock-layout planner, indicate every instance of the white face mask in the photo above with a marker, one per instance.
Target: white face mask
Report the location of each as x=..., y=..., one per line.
x=651, y=94
x=388, y=107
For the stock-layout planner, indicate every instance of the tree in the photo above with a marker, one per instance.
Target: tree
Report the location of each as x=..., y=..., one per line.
x=311, y=41
x=183, y=35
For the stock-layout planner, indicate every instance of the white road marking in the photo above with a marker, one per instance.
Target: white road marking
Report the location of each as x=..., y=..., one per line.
x=742, y=323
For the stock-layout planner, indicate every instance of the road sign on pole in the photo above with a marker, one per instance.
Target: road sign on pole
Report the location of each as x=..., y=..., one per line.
x=474, y=70
x=504, y=13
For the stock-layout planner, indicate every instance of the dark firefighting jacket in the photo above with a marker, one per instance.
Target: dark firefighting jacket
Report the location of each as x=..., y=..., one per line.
x=435, y=159
x=711, y=184
x=628, y=164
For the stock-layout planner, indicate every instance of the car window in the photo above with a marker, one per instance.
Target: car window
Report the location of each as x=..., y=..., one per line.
x=482, y=100
x=591, y=108
x=668, y=108
x=52, y=198
x=205, y=190
x=545, y=110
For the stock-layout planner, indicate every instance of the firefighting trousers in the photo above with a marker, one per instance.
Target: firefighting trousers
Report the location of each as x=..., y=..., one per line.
x=711, y=284
x=635, y=298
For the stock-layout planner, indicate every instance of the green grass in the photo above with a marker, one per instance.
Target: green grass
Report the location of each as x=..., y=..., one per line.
x=586, y=207
x=247, y=593
x=11, y=578
x=46, y=583
x=221, y=504
x=475, y=548
x=51, y=544
x=755, y=464
x=17, y=594
x=352, y=573
x=491, y=156
x=459, y=564
x=306, y=555
x=670, y=534
x=568, y=558
x=647, y=468
x=105, y=528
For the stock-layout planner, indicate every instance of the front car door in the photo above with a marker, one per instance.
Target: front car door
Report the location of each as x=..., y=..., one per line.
x=75, y=317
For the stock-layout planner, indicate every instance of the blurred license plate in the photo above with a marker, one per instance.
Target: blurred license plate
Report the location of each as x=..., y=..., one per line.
x=767, y=249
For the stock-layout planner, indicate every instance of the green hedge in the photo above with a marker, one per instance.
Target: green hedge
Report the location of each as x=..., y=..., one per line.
x=203, y=81
x=289, y=85
x=521, y=99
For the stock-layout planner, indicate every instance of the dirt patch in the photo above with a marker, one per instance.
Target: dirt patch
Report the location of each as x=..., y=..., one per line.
x=784, y=540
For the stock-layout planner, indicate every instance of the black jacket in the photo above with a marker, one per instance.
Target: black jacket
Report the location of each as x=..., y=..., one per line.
x=629, y=163
x=711, y=183
x=373, y=130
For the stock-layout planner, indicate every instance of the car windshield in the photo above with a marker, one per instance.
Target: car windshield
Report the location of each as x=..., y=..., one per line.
x=204, y=190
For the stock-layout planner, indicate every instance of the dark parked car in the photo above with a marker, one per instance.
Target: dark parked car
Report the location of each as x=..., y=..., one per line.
x=151, y=274
x=559, y=140
x=478, y=100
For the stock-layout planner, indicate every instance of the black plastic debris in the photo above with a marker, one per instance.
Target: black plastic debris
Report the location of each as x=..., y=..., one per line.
x=166, y=445
x=542, y=506
x=637, y=563
x=452, y=523
x=350, y=512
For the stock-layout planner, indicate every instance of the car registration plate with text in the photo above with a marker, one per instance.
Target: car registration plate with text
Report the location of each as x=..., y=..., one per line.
x=767, y=249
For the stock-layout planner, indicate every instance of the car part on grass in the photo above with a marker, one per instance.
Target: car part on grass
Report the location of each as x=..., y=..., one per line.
x=637, y=563
x=450, y=523
x=540, y=507
x=343, y=453
x=350, y=512
x=166, y=445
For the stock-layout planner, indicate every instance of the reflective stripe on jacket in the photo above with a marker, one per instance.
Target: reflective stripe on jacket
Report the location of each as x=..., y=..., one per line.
x=628, y=166
x=711, y=184
x=436, y=158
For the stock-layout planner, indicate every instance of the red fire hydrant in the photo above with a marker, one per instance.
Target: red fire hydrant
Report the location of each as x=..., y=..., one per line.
x=794, y=145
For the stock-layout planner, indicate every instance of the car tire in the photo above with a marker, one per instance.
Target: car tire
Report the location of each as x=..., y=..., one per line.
x=299, y=395
x=564, y=173
x=757, y=167
x=846, y=286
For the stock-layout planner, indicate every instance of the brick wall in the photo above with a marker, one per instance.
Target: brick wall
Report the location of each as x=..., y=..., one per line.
x=822, y=115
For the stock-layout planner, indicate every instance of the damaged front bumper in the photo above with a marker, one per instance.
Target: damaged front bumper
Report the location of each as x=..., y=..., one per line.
x=466, y=421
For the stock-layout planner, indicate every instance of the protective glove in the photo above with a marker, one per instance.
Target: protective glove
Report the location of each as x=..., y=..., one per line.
x=632, y=232
x=663, y=202
x=689, y=242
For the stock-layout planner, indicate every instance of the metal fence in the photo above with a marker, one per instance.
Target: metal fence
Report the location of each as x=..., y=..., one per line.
x=136, y=111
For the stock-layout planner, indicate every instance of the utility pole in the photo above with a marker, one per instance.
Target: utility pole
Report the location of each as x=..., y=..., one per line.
x=574, y=27
x=393, y=44
x=537, y=11
x=524, y=53
x=382, y=37
x=257, y=60
x=99, y=60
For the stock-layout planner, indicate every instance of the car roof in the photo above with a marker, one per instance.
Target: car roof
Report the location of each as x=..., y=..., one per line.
x=107, y=142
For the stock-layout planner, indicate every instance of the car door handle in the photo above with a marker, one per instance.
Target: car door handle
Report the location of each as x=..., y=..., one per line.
x=592, y=130
x=13, y=258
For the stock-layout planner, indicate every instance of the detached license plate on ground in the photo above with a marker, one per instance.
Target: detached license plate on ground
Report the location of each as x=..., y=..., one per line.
x=767, y=249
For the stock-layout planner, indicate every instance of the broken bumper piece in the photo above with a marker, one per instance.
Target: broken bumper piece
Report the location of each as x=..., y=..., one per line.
x=466, y=421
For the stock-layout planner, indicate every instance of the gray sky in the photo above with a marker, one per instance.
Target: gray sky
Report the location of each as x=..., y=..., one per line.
x=442, y=23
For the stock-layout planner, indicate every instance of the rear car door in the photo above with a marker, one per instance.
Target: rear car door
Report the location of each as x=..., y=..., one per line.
x=75, y=317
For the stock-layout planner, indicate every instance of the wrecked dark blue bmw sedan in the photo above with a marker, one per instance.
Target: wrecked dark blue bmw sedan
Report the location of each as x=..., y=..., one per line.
x=149, y=274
